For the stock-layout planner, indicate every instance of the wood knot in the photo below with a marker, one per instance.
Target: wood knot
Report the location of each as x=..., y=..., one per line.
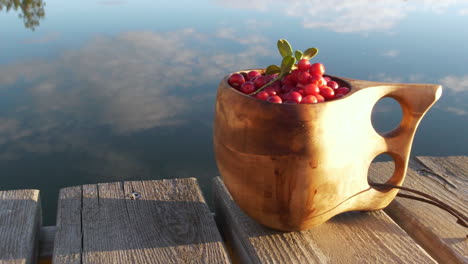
x=135, y=196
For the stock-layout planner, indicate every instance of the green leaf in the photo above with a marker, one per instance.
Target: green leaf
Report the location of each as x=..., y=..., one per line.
x=284, y=48
x=272, y=69
x=310, y=53
x=298, y=55
x=287, y=64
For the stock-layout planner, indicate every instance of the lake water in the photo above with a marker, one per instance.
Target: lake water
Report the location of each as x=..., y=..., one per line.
x=114, y=90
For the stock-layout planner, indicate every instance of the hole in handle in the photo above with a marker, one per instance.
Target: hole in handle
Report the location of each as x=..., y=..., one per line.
x=382, y=173
x=386, y=115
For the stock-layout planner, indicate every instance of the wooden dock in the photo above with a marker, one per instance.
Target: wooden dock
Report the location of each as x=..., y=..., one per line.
x=168, y=221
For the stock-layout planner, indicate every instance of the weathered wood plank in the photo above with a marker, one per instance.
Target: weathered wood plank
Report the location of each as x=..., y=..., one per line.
x=169, y=223
x=433, y=228
x=67, y=243
x=355, y=237
x=20, y=219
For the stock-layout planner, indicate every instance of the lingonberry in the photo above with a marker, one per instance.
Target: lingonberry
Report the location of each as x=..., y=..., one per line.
x=295, y=97
x=298, y=90
x=260, y=81
x=319, y=98
x=271, y=90
x=311, y=89
x=315, y=78
x=332, y=84
x=327, y=92
x=272, y=76
x=252, y=74
x=236, y=80
x=303, y=77
x=286, y=88
x=309, y=99
x=247, y=87
x=317, y=68
x=262, y=95
x=274, y=99
x=288, y=80
x=342, y=90
x=303, y=65
x=321, y=82
x=294, y=75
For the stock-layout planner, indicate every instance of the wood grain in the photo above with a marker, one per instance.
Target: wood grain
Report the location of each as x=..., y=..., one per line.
x=68, y=237
x=279, y=161
x=20, y=219
x=169, y=223
x=445, y=178
x=355, y=237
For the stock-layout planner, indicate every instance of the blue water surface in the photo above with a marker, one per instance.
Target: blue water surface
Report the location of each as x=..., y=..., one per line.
x=114, y=90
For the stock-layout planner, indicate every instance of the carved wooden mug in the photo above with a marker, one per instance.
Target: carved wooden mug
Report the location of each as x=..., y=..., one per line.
x=294, y=166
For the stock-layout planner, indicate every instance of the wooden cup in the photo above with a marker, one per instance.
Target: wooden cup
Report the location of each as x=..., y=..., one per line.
x=294, y=166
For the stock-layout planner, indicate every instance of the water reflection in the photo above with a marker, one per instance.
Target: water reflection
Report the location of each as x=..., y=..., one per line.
x=79, y=106
x=31, y=11
x=351, y=16
x=137, y=105
x=131, y=82
x=455, y=90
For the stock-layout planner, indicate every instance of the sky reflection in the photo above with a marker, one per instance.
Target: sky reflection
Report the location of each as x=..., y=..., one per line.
x=355, y=16
x=134, y=81
x=124, y=90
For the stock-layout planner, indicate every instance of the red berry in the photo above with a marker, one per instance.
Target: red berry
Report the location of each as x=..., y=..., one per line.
x=298, y=90
x=317, y=68
x=293, y=75
x=321, y=82
x=270, y=90
x=303, y=65
x=309, y=99
x=247, y=87
x=319, y=98
x=338, y=96
x=260, y=81
x=272, y=76
x=236, y=80
x=327, y=78
x=252, y=74
x=276, y=86
x=311, y=89
x=288, y=80
x=315, y=78
x=332, y=84
x=262, y=95
x=286, y=88
x=275, y=99
x=303, y=77
x=295, y=97
x=327, y=92
x=342, y=90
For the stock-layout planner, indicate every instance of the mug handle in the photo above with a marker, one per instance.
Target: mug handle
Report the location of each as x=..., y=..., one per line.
x=415, y=100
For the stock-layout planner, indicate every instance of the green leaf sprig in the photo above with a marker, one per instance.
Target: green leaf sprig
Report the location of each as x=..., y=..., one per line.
x=288, y=63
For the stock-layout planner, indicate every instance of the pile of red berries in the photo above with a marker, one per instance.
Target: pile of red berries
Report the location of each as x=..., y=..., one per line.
x=305, y=84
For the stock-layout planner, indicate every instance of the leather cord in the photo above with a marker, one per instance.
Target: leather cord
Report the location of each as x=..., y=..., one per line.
x=461, y=219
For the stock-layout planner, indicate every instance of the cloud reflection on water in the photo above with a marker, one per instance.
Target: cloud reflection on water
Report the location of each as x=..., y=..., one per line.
x=350, y=16
x=455, y=90
x=124, y=84
x=131, y=82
